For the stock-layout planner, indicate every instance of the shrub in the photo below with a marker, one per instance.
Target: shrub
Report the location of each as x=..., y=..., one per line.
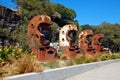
x=115, y=56
x=105, y=56
x=14, y=61
x=24, y=64
x=6, y=53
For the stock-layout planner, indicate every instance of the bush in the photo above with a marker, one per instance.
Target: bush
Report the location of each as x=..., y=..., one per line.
x=14, y=61
x=6, y=53
x=115, y=56
x=105, y=56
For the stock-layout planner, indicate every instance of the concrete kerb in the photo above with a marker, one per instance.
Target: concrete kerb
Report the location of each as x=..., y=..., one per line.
x=61, y=73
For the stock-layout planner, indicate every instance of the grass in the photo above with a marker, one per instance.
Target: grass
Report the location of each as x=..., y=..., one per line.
x=24, y=63
x=13, y=61
x=82, y=59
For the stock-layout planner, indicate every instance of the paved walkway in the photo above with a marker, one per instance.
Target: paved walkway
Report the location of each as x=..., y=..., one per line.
x=107, y=72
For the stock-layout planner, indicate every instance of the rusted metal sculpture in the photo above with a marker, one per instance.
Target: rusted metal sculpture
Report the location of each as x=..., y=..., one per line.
x=96, y=44
x=66, y=42
x=39, y=40
x=39, y=37
x=84, y=43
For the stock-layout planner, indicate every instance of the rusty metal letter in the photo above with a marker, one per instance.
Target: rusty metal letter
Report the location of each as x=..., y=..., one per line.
x=84, y=43
x=66, y=43
x=96, y=44
x=38, y=33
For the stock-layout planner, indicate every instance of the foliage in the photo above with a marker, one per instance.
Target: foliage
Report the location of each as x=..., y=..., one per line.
x=82, y=59
x=13, y=60
x=115, y=56
x=107, y=56
x=31, y=8
x=55, y=32
x=67, y=15
x=24, y=64
x=6, y=53
x=20, y=35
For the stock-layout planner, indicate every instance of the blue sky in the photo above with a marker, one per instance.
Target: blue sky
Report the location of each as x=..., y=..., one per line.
x=92, y=12
x=8, y=3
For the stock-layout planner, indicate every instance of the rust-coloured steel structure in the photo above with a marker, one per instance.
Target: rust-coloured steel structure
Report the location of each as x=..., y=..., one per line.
x=66, y=42
x=38, y=32
x=84, y=43
x=39, y=40
x=96, y=44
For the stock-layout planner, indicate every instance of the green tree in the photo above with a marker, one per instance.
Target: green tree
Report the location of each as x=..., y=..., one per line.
x=67, y=14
